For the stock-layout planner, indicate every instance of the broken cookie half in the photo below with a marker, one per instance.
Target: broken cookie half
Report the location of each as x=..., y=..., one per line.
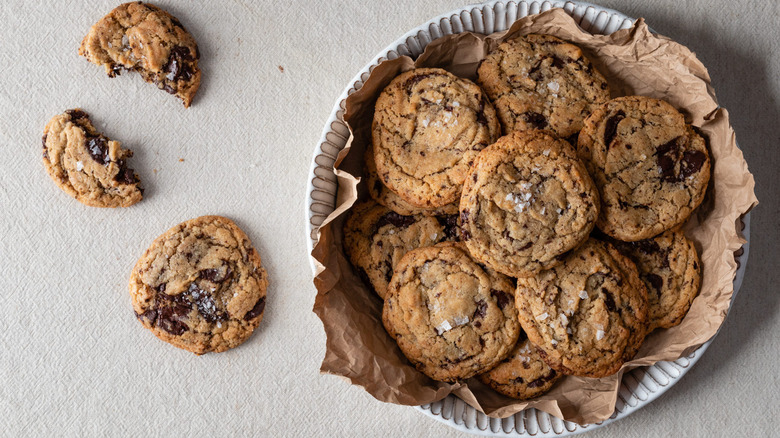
x=88, y=165
x=144, y=38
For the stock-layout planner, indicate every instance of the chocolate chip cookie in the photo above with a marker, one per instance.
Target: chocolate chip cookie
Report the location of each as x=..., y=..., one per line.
x=540, y=81
x=451, y=317
x=375, y=239
x=526, y=202
x=200, y=286
x=144, y=38
x=428, y=127
x=523, y=375
x=384, y=196
x=651, y=168
x=88, y=165
x=670, y=267
x=587, y=315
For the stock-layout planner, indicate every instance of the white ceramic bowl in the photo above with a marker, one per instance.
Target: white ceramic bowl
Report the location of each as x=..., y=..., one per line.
x=640, y=386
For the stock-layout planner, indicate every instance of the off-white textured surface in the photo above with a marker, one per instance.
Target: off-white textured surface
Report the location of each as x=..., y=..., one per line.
x=73, y=359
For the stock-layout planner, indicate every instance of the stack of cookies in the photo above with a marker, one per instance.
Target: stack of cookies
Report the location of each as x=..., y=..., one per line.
x=526, y=227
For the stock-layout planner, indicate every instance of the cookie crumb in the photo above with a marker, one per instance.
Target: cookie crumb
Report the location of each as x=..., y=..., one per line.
x=281, y=69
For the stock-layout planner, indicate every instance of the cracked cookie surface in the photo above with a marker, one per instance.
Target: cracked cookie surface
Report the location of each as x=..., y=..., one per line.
x=526, y=201
x=451, y=317
x=587, y=315
x=384, y=196
x=86, y=164
x=200, y=286
x=651, y=168
x=523, y=375
x=670, y=267
x=376, y=238
x=428, y=127
x=144, y=38
x=540, y=81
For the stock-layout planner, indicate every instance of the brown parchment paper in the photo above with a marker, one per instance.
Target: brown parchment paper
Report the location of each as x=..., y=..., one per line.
x=635, y=61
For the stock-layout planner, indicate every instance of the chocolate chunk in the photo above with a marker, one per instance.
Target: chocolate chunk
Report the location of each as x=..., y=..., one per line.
x=178, y=67
x=396, y=220
x=98, y=149
x=464, y=235
x=412, y=81
x=388, y=270
x=692, y=161
x=518, y=380
x=610, y=127
x=481, y=309
x=542, y=380
x=150, y=316
x=535, y=119
x=215, y=275
x=170, y=317
x=656, y=281
x=256, y=310
x=560, y=63
x=609, y=301
x=126, y=176
x=45, y=151
x=667, y=156
x=502, y=298
x=169, y=89
x=204, y=301
x=76, y=114
x=161, y=288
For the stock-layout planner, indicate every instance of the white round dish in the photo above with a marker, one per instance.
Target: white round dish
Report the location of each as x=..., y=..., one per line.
x=640, y=386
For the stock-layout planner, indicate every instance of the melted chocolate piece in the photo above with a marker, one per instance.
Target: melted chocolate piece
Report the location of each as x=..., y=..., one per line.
x=610, y=128
x=542, y=380
x=535, y=119
x=170, y=317
x=215, y=275
x=178, y=67
x=150, y=316
x=692, y=161
x=502, y=298
x=204, y=301
x=411, y=82
x=388, y=271
x=481, y=309
x=396, y=220
x=667, y=157
x=126, y=176
x=98, y=149
x=656, y=281
x=256, y=310
x=45, y=151
x=609, y=301
x=76, y=114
